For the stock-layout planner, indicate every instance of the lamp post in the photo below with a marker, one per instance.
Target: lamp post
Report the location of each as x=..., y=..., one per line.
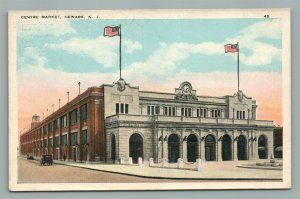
x=53, y=108
x=68, y=93
x=58, y=103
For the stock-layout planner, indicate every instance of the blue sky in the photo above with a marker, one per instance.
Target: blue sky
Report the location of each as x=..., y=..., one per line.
x=157, y=55
x=91, y=52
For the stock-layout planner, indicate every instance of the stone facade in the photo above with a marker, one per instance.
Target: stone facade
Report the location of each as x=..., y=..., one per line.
x=229, y=121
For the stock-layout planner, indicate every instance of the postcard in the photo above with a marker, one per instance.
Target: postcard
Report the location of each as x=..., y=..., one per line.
x=149, y=99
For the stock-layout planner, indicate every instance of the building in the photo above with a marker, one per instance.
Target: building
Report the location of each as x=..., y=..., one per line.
x=117, y=122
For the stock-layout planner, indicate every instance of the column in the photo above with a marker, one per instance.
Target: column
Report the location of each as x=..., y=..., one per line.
x=234, y=144
x=219, y=144
x=165, y=146
x=255, y=144
x=202, y=146
x=181, y=144
x=270, y=144
x=184, y=149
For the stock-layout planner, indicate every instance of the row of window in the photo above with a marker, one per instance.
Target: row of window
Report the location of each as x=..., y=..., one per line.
x=240, y=114
x=187, y=112
x=63, y=140
x=62, y=122
x=121, y=108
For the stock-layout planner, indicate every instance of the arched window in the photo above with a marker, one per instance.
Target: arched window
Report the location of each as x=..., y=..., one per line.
x=262, y=147
x=113, y=147
x=226, y=148
x=192, y=148
x=135, y=147
x=242, y=148
x=173, y=148
x=210, y=148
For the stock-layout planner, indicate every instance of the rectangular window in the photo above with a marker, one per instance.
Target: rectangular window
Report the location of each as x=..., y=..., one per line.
x=117, y=108
x=50, y=127
x=84, y=137
x=238, y=114
x=122, y=108
x=56, y=141
x=157, y=111
x=50, y=142
x=182, y=111
x=45, y=129
x=198, y=112
x=174, y=111
x=219, y=113
x=152, y=110
x=190, y=112
x=204, y=113
x=63, y=140
x=55, y=125
x=170, y=111
x=126, y=108
x=74, y=116
x=165, y=110
x=148, y=110
x=212, y=113
x=243, y=114
x=64, y=121
x=73, y=139
x=83, y=112
x=45, y=143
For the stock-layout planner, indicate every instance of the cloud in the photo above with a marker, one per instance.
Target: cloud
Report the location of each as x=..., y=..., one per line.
x=262, y=53
x=266, y=29
x=31, y=58
x=164, y=59
x=45, y=26
x=131, y=46
x=102, y=49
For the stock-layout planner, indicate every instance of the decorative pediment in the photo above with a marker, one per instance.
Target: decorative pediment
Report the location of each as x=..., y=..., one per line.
x=185, y=92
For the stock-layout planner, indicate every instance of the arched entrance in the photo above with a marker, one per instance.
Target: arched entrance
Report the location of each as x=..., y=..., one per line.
x=262, y=147
x=226, y=148
x=192, y=148
x=135, y=147
x=242, y=148
x=173, y=148
x=113, y=147
x=210, y=148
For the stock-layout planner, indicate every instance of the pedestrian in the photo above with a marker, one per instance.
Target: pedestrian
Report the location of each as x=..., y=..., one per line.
x=64, y=157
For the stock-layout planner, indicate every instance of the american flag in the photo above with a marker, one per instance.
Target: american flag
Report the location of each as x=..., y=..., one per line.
x=231, y=48
x=112, y=31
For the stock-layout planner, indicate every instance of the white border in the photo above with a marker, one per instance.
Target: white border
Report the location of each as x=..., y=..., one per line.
x=284, y=14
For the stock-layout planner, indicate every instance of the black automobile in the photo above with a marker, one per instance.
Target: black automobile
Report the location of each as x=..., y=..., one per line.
x=46, y=159
x=30, y=156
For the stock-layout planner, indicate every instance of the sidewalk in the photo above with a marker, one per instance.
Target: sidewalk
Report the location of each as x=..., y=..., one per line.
x=211, y=171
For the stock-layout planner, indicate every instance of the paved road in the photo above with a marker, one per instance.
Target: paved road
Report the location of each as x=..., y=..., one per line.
x=30, y=171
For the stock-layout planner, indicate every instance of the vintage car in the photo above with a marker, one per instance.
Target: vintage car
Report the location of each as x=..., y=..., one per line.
x=30, y=156
x=46, y=159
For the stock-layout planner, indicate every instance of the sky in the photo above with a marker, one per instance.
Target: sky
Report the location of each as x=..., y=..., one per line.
x=157, y=55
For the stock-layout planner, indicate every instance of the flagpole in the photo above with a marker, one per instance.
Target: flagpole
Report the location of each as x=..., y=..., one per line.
x=238, y=65
x=120, y=53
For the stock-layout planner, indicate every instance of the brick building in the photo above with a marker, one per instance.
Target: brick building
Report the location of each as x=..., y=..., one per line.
x=117, y=122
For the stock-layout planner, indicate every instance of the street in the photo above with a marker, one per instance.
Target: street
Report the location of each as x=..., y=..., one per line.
x=30, y=171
